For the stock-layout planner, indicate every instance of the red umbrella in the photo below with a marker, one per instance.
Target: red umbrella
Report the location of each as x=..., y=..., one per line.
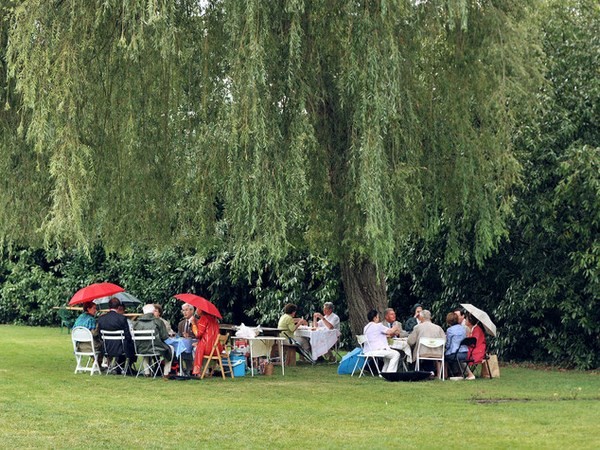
x=201, y=303
x=94, y=291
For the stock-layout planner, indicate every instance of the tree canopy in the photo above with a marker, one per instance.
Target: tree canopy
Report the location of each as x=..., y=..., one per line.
x=344, y=125
x=341, y=127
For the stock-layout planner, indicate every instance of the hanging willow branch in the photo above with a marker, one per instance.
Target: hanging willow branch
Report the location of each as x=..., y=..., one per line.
x=343, y=127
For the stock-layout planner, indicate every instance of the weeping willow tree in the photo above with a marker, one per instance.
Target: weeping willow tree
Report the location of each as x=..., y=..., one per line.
x=341, y=127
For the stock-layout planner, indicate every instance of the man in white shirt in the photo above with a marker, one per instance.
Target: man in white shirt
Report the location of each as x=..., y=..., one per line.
x=377, y=340
x=328, y=319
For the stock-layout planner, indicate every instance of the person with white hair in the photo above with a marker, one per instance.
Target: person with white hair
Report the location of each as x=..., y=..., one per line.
x=331, y=321
x=426, y=329
x=147, y=321
x=328, y=319
x=389, y=321
x=187, y=330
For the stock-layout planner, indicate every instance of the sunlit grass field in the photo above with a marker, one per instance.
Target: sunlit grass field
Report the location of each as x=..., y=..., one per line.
x=44, y=405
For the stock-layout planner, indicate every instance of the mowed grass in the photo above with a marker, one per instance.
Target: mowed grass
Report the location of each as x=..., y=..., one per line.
x=44, y=405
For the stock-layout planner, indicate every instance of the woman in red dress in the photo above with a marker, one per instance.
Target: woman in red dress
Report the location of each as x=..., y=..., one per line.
x=207, y=330
x=478, y=352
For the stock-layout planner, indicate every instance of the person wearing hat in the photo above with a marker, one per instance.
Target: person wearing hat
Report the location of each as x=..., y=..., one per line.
x=148, y=321
x=411, y=322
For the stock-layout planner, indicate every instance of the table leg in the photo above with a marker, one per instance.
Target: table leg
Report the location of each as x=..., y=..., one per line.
x=282, y=357
x=251, y=359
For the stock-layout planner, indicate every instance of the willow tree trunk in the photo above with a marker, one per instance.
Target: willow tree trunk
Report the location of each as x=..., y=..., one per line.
x=365, y=290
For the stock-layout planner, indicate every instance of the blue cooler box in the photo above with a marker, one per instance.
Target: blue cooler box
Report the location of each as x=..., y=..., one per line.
x=238, y=363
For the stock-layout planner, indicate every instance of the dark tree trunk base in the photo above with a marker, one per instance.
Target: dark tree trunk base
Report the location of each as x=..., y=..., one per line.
x=365, y=290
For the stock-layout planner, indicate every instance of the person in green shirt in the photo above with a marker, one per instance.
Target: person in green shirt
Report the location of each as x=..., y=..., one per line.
x=289, y=323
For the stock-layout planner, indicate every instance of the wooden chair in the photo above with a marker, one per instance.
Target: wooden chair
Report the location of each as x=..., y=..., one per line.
x=216, y=357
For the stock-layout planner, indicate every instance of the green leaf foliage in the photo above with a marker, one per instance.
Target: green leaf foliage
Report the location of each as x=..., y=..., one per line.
x=342, y=127
x=541, y=287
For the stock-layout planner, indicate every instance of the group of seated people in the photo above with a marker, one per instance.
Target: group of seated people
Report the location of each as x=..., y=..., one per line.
x=460, y=325
x=289, y=323
x=201, y=327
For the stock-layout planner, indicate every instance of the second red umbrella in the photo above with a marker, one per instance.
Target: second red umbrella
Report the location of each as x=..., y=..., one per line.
x=200, y=303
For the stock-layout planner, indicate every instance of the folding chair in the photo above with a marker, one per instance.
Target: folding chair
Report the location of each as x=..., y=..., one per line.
x=453, y=360
x=365, y=356
x=143, y=342
x=335, y=351
x=114, y=350
x=293, y=342
x=216, y=356
x=81, y=335
x=484, y=362
x=431, y=344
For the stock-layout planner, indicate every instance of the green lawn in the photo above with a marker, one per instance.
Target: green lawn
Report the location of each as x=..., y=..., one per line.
x=43, y=404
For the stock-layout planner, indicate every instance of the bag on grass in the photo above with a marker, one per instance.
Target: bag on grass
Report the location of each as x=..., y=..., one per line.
x=492, y=362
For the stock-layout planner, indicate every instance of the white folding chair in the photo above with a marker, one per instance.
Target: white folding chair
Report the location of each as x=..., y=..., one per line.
x=366, y=355
x=114, y=349
x=143, y=342
x=81, y=335
x=427, y=345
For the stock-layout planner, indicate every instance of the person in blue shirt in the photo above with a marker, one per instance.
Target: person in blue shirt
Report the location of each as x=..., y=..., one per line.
x=454, y=336
x=87, y=320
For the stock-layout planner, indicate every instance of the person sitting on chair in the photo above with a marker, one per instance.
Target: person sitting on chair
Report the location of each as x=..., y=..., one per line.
x=329, y=320
x=147, y=321
x=454, y=336
x=426, y=329
x=207, y=330
x=377, y=335
x=115, y=321
x=186, y=331
x=478, y=352
x=460, y=314
x=289, y=323
x=87, y=320
x=158, y=313
x=389, y=321
x=413, y=321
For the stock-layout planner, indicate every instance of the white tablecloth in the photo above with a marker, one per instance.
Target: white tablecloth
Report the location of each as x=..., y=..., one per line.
x=321, y=340
x=402, y=345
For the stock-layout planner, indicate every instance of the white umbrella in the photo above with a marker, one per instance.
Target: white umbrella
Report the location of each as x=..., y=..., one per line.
x=482, y=316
